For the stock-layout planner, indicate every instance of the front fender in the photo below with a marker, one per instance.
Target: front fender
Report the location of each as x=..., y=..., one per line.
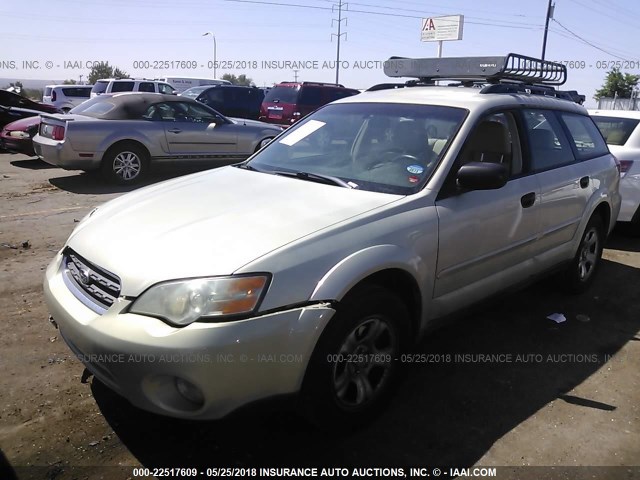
x=350, y=271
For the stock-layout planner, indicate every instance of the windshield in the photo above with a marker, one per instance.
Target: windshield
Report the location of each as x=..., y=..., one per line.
x=100, y=87
x=615, y=130
x=390, y=148
x=282, y=95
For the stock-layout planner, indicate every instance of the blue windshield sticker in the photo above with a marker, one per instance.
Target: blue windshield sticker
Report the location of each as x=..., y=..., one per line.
x=415, y=169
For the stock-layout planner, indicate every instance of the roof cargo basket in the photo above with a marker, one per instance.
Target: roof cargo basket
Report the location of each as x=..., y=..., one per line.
x=510, y=68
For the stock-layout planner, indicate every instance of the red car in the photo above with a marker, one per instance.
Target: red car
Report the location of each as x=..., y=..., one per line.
x=17, y=137
x=288, y=102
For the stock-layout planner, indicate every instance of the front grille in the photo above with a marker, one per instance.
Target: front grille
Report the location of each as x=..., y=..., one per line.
x=97, y=288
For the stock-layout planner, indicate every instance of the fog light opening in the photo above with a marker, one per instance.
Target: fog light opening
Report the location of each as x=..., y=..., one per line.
x=189, y=391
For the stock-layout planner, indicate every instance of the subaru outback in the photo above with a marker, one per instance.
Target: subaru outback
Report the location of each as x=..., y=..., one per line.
x=310, y=268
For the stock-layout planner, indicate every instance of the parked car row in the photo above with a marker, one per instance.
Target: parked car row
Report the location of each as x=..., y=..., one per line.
x=284, y=104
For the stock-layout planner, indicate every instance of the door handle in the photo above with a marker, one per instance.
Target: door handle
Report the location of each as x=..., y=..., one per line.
x=528, y=200
x=584, y=182
x=175, y=130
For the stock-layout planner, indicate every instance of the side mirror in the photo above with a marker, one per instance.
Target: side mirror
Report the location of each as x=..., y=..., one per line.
x=482, y=176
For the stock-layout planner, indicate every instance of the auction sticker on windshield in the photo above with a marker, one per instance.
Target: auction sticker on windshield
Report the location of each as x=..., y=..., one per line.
x=302, y=132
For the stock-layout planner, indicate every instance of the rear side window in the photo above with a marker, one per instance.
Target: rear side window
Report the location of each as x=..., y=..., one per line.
x=585, y=135
x=166, y=89
x=100, y=87
x=311, y=96
x=548, y=145
x=146, y=87
x=338, y=93
x=255, y=98
x=47, y=91
x=122, y=87
x=616, y=131
x=77, y=92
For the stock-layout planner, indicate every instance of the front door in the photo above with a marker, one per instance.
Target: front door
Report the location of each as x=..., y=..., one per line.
x=487, y=237
x=192, y=133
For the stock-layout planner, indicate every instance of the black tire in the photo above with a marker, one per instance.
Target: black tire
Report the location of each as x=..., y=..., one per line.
x=581, y=272
x=354, y=366
x=125, y=164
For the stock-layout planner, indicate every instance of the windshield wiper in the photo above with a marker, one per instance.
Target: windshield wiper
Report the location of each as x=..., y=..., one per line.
x=315, y=177
x=246, y=166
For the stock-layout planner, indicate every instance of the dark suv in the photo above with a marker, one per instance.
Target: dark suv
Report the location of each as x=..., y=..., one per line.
x=229, y=100
x=288, y=102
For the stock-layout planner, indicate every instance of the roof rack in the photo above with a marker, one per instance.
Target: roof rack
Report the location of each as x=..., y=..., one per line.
x=510, y=68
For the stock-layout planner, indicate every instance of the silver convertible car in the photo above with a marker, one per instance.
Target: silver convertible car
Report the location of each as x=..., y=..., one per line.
x=124, y=134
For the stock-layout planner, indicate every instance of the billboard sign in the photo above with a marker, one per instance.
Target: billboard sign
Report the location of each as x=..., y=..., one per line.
x=437, y=29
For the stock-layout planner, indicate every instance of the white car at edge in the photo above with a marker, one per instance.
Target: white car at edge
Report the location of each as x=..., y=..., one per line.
x=621, y=130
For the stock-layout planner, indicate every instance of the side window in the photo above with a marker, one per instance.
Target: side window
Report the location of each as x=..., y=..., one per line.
x=146, y=87
x=494, y=139
x=122, y=87
x=165, y=88
x=189, y=112
x=214, y=98
x=310, y=96
x=585, y=135
x=548, y=145
x=160, y=112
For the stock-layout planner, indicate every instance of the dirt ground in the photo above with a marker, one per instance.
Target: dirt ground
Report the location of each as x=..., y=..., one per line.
x=561, y=395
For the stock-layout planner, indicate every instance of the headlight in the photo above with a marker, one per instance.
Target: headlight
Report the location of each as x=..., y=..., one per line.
x=19, y=134
x=182, y=302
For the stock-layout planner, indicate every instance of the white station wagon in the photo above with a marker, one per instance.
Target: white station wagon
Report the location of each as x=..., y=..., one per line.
x=311, y=267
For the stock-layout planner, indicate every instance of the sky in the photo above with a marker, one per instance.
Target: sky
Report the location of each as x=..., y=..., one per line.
x=52, y=40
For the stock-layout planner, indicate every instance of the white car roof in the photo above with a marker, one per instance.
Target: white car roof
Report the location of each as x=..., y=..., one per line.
x=462, y=97
x=635, y=114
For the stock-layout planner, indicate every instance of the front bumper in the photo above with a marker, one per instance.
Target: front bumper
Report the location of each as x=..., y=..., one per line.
x=231, y=363
x=61, y=154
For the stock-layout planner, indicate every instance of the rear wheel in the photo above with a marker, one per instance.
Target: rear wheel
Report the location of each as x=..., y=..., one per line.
x=354, y=366
x=581, y=272
x=125, y=164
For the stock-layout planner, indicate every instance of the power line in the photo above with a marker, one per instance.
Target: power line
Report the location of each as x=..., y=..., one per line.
x=584, y=40
x=605, y=14
x=429, y=13
x=397, y=15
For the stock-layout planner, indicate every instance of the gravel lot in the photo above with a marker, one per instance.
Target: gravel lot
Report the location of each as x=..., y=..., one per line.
x=562, y=395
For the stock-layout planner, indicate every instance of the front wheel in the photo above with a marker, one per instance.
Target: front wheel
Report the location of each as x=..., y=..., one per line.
x=581, y=271
x=354, y=365
x=263, y=143
x=125, y=164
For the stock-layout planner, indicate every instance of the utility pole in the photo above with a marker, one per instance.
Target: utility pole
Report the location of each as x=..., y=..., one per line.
x=295, y=76
x=339, y=35
x=550, y=9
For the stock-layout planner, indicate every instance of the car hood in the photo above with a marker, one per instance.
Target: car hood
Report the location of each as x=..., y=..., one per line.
x=254, y=123
x=210, y=223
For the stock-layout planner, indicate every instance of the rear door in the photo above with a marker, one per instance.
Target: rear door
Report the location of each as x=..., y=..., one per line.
x=565, y=183
x=487, y=237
